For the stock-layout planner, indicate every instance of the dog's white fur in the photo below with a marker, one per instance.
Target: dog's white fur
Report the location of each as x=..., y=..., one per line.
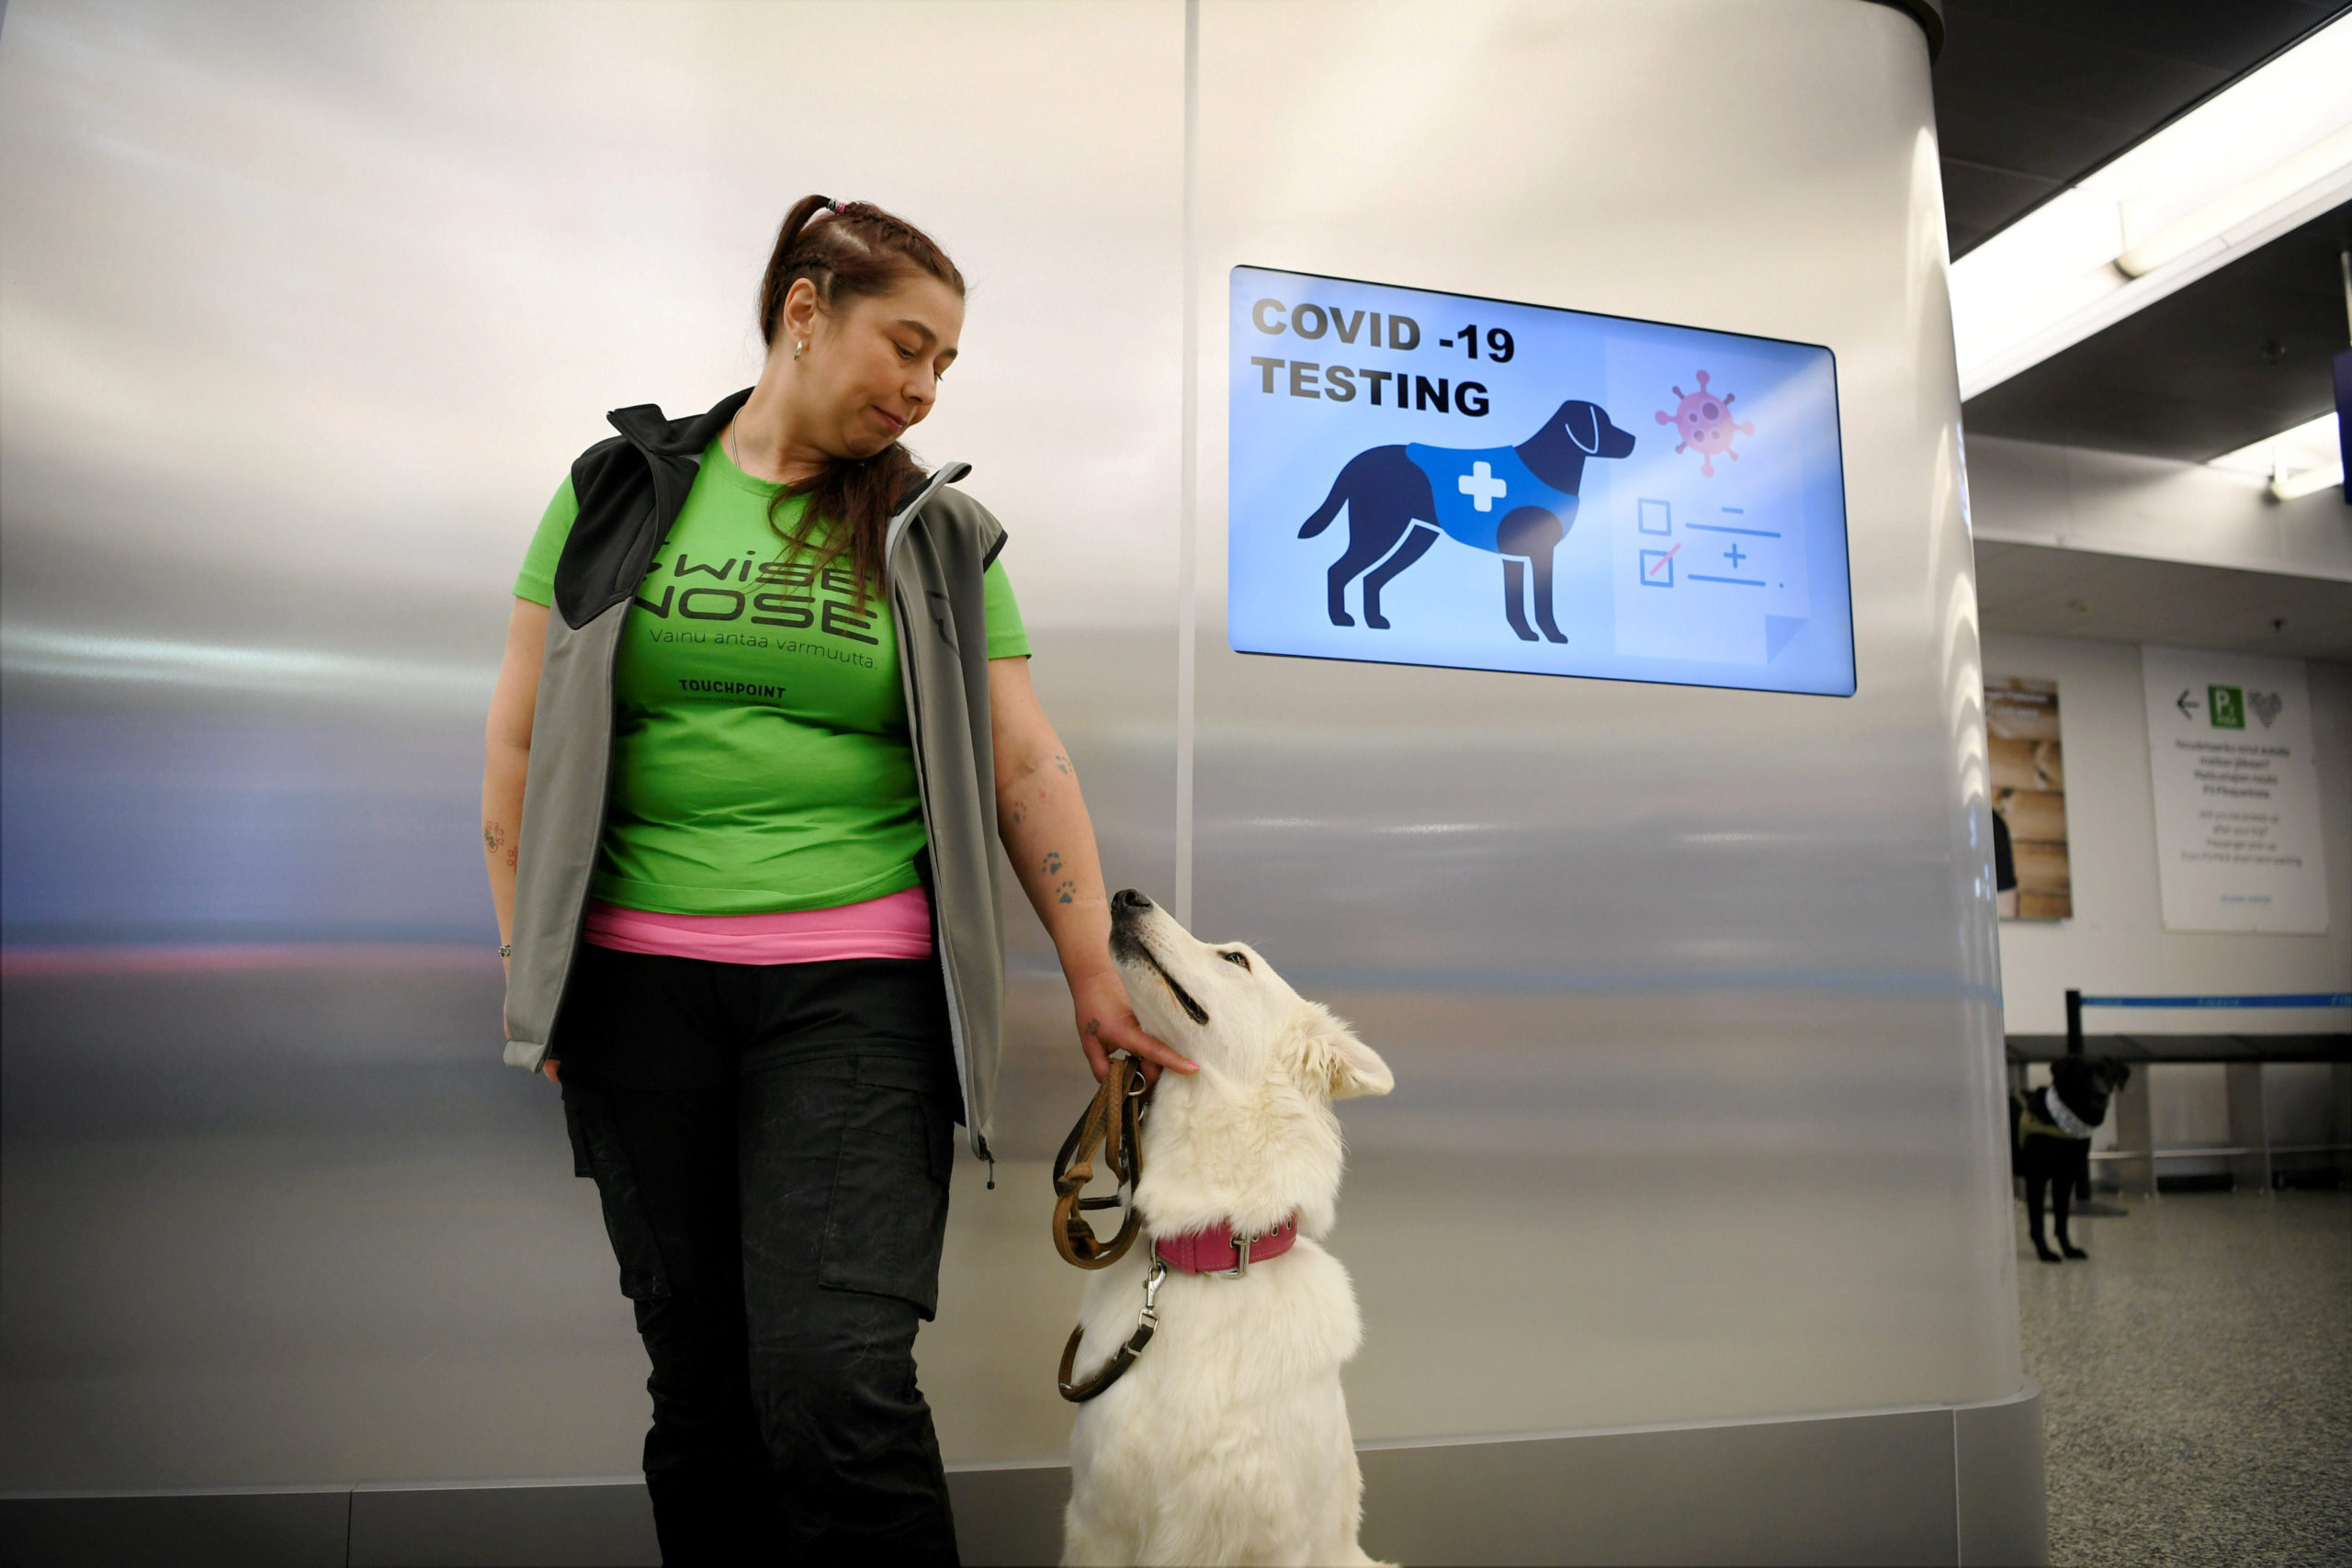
x=1227, y=1441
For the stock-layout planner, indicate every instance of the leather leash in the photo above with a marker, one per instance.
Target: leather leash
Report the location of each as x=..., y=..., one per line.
x=1116, y=1367
x=1109, y=1124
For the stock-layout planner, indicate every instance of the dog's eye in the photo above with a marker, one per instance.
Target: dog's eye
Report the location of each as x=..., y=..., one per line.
x=1240, y=958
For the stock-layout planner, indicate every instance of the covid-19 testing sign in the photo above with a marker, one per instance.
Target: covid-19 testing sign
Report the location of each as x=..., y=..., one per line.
x=1433, y=479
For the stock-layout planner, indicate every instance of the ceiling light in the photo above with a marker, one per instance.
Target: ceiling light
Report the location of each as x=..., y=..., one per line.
x=2325, y=168
x=2294, y=463
x=2266, y=155
x=2310, y=481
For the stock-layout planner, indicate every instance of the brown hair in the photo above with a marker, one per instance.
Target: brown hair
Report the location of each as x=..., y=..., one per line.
x=858, y=250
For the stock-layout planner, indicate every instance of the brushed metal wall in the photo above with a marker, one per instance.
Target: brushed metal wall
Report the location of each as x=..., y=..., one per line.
x=303, y=309
x=1691, y=995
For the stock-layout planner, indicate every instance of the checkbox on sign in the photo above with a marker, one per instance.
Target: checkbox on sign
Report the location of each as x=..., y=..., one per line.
x=1658, y=568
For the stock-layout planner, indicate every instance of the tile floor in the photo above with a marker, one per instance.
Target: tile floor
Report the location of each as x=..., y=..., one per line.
x=2198, y=1382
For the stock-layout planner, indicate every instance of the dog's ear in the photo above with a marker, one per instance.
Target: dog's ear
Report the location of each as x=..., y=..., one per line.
x=1583, y=423
x=1329, y=1054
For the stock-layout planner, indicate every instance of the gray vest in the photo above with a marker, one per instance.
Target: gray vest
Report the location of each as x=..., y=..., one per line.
x=630, y=488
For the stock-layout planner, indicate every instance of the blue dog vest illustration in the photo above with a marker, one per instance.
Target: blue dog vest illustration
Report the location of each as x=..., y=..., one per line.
x=1475, y=490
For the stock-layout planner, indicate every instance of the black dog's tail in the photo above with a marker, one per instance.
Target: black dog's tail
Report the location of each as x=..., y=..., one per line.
x=1328, y=510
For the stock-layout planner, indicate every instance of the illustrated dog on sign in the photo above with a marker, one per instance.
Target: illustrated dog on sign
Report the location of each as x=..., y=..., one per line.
x=1514, y=501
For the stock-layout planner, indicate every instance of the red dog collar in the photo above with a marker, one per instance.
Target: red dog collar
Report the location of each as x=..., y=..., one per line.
x=1214, y=1250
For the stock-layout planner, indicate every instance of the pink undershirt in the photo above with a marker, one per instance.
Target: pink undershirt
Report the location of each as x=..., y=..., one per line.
x=896, y=925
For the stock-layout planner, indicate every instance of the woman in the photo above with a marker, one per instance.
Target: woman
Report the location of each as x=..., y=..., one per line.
x=765, y=688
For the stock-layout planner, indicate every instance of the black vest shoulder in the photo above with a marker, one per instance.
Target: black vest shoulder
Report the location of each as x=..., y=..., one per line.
x=612, y=537
x=630, y=487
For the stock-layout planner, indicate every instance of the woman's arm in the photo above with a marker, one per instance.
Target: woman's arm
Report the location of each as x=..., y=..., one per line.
x=1042, y=819
x=506, y=757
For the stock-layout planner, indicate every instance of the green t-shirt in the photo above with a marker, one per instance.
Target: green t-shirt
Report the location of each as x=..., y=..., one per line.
x=761, y=761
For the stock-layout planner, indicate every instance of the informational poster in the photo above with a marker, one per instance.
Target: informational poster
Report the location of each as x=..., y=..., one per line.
x=2237, y=792
x=1420, y=478
x=2029, y=768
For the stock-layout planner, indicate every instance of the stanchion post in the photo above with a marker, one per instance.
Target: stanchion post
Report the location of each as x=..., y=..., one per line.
x=2074, y=1024
x=2249, y=1126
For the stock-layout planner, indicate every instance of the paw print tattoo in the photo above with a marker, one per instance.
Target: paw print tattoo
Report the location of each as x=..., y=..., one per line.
x=1065, y=892
x=1052, y=861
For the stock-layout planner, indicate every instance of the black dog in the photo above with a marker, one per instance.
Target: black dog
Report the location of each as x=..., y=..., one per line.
x=1514, y=501
x=2049, y=1138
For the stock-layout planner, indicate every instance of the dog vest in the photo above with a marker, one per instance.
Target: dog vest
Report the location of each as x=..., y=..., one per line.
x=2047, y=1115
x=1475, y=490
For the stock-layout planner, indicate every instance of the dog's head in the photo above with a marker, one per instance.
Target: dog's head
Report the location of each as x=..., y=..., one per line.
x=1588, y=427
x=1223, y=1005
x=2087, y=1083
x=1251, y=1137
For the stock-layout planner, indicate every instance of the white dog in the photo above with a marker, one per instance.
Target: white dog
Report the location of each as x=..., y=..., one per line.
x=1227, y=1440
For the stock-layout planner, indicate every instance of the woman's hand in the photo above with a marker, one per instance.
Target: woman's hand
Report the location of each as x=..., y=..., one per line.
x=1041, y=817
x=1106, y=1023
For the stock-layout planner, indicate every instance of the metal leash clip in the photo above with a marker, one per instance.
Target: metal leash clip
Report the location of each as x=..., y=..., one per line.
x=1150, y=1316
x=1124, y=1357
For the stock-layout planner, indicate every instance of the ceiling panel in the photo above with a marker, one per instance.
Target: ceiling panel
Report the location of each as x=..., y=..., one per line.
x=2052, y=592
x=2032, y=95
x=2238, y=355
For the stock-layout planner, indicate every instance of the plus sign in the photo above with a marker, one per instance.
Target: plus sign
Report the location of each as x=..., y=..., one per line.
x=1482, y=487
x=1734, y=556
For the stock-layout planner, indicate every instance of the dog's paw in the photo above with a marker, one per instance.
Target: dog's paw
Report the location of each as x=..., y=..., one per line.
x=2071, y=1250
x=2047, y=1255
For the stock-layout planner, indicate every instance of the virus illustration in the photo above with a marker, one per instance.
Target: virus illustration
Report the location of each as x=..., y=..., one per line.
x=1703, y=419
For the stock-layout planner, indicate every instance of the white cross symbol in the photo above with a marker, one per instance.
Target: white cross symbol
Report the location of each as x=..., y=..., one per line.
x=1482, y=487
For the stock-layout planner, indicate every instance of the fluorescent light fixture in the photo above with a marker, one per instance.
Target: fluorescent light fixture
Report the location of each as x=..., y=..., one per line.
x=2294, y=463
x=2272, y=152
x=2322, y=165
x=2310, y=481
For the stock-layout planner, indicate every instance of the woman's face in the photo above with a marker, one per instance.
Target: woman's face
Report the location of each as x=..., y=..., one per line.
x=872, y=367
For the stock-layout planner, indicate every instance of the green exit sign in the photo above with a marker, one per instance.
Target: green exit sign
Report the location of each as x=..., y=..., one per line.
x=2228, y=706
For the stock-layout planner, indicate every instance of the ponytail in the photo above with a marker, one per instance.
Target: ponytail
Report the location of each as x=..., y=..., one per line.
x=847, y=250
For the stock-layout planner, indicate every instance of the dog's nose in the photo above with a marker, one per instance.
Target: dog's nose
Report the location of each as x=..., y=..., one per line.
x=1128, y=898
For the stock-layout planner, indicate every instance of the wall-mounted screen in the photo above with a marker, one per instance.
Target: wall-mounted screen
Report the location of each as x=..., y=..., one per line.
x=1420, y=478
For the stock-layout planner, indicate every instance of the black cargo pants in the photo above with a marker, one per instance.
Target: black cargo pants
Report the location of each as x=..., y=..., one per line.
x=772, y=1145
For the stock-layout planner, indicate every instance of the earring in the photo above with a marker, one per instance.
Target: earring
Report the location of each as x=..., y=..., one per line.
x=797, y=349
